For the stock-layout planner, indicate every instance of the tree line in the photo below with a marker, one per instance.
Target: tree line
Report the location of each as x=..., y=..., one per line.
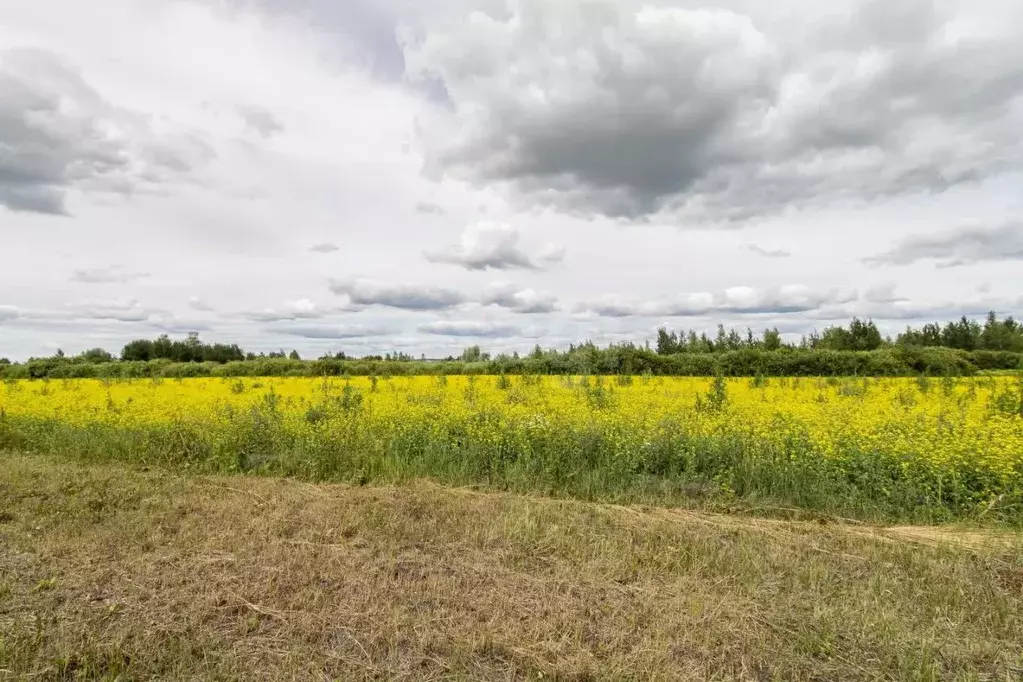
x=860, y=335
x=956, y=348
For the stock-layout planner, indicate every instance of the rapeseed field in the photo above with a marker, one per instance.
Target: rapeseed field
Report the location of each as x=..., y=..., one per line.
x=916, y=449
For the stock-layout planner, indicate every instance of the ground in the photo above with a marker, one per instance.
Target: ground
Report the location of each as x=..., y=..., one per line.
x=120, y=573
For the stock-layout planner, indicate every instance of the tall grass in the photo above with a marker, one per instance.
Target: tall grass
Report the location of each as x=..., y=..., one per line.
x=339, y=436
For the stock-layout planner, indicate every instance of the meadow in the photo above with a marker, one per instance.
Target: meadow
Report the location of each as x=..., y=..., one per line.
x=921, y=450
x=109, y=572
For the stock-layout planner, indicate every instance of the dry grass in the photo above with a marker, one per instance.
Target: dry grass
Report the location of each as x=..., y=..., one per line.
x=115, y=573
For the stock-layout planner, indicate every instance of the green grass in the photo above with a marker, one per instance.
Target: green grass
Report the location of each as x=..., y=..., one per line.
x=677, y=469
x=109, y=572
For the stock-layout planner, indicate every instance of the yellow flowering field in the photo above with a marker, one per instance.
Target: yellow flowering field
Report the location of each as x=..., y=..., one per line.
x=933, y=448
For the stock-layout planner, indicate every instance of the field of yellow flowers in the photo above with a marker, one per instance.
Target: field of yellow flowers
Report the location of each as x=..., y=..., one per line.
x=917, y=449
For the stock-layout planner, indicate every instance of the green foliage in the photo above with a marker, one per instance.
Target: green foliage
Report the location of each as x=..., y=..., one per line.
x=958, y=349
x=599, y=396
x=583, y=460
x=716, y=398
x=189, y=350
x=1010, y=400
x=351, y=398
x=860, y=336
x=474, y=354
x=624, y=360
x=96, y=356
x=994, y=335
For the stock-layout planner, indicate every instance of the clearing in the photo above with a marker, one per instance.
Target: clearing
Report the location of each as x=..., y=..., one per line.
x=112, y=572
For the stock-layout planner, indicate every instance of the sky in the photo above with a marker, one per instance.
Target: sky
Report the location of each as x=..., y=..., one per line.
x=393, y=175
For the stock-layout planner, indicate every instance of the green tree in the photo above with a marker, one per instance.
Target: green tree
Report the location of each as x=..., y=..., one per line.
x=96, y=356
x=864, y=335
x=668, y=343
x=474, y=354
x=964, y=334
x=772, y=339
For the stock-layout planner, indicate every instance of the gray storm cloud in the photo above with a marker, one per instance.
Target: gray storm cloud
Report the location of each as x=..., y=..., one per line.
x=631, y=111
x=57, y=134
x=963, y=246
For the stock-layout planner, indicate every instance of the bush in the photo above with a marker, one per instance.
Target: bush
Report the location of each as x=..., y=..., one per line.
x=613, y=361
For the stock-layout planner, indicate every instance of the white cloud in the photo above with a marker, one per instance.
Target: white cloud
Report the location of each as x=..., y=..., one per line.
x=494, y=246
x=429, y=208
x=402, y=296
x=739, y=300
x=261, y=121
x=524, y=301
x=197, y=304
x=768, y=253
x=331, y=332
x=471, y=329
x=302, y=309
x=121, y=310
x=114, y=274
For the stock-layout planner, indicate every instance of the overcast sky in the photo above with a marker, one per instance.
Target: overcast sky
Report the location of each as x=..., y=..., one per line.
x=374, y=175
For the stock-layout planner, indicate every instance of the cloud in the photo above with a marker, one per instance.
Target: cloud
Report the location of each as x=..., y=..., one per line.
x=364, y=30
x=471, y=329
x=519, y=301
x=622, y=306
x=883, y=302
x=196, y=303
x=325, y=248
x=8, y=313
x=884, y=293
x=114, y=274
x=338, y=332
x=417, y=298
x=58, y=134
x=963, y=246
x=910, y=310
x=174, y=326
x=635, y=111
x=401, y=296
x=785, y=299
x=494, y=246
x=302, y=309
x=735, y=300
x=768, y=253
x=119, y=310
x=261, y=121
x=429, y=208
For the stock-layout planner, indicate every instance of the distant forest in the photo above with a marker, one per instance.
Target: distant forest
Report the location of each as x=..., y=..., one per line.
x=965, y=334
x=955, y=348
